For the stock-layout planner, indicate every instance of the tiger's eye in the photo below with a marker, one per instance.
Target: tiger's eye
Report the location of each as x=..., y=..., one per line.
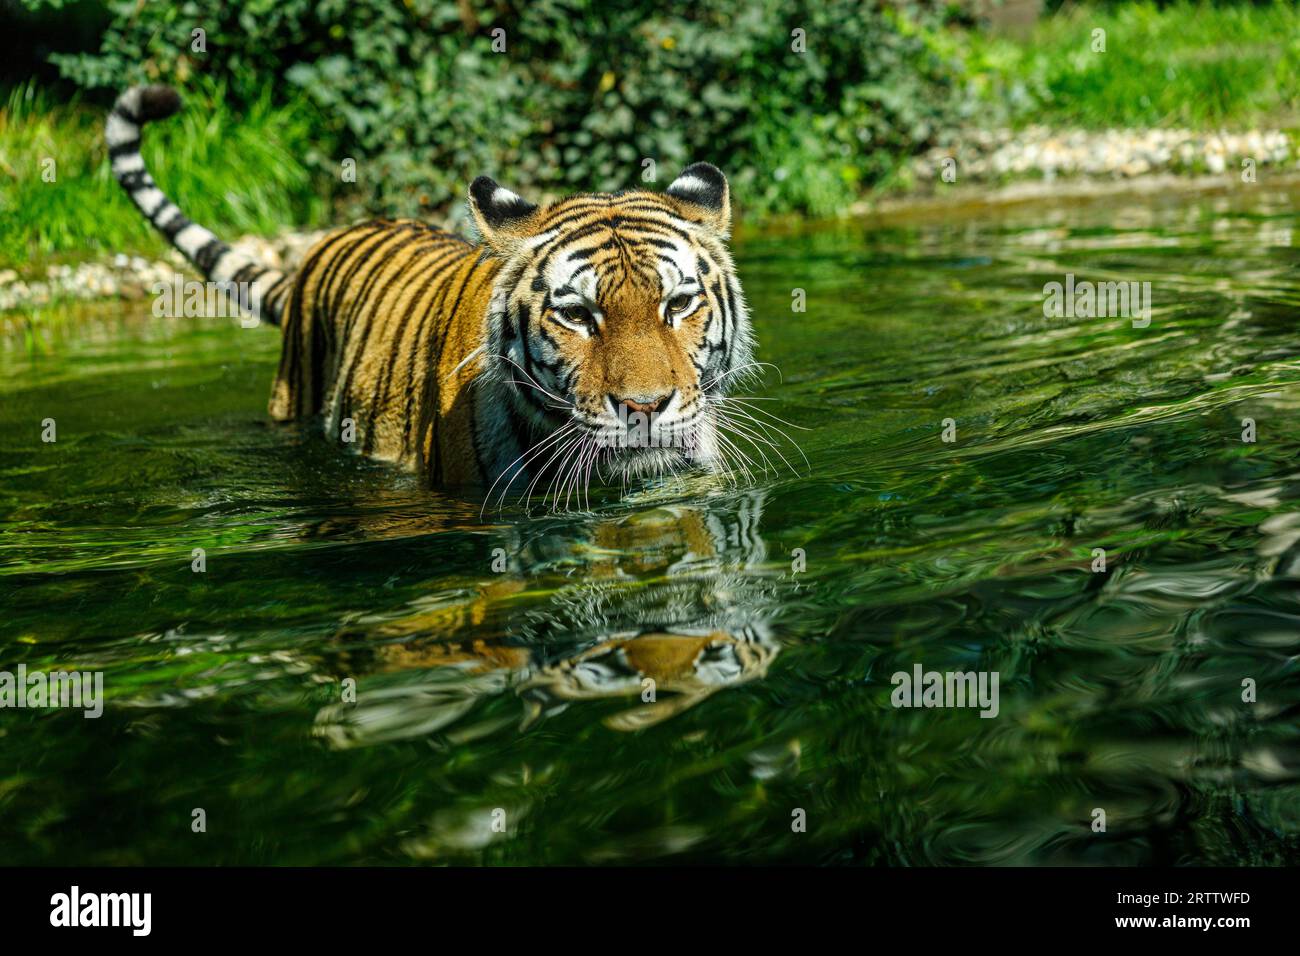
x=577, y=314
x=679, y=303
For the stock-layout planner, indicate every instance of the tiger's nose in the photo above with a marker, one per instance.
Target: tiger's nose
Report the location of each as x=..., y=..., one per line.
x=646, y=405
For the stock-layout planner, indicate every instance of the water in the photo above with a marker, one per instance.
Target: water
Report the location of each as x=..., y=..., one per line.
x=505, y=685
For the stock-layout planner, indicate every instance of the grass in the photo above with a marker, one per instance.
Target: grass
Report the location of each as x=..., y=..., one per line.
x=1195, y=65
x=233, y=173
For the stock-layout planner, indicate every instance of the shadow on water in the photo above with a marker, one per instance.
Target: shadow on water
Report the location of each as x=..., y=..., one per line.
x=687, y=673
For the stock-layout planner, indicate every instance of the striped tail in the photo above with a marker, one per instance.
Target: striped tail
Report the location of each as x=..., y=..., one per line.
x=256, y=287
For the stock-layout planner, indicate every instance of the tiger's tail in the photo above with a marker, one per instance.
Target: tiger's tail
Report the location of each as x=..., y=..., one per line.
x=255, y=286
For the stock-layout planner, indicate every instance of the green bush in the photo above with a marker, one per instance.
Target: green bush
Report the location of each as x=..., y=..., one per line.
x=583, y=93
x=1176, y=63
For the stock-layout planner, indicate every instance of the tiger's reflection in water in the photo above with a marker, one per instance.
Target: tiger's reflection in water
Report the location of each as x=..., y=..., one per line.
x=662, y=607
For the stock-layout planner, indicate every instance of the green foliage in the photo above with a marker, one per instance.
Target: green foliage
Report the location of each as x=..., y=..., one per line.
x=582, y=94
x=1199, y=65
x=238, y=173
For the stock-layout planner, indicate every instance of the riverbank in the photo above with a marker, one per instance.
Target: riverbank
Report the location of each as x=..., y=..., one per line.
x=1033, y=175
x=126, y=276
x=1045, y=154
x=1094, y=98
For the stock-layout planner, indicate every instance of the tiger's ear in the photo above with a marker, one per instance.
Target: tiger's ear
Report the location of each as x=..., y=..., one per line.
x=503, y=218
x=703, y=191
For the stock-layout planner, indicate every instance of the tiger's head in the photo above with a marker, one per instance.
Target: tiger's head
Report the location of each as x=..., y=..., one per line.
x=615, y=322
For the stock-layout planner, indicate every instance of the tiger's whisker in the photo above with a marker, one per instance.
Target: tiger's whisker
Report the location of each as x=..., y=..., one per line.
x=560, y=451
x=745, y=400
x=740, y=368
x=767, y=428
x=763, y=434
x=536, y=447
x=533, y=381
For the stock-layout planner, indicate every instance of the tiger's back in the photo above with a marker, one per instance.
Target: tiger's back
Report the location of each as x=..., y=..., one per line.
x=377, y=327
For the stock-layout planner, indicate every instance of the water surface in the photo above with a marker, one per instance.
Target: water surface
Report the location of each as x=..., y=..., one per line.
x=500, y=663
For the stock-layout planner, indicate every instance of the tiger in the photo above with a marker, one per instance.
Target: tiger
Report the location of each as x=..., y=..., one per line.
x=597, y=334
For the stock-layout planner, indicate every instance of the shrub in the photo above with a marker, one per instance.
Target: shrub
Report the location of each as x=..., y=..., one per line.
x=583, y=93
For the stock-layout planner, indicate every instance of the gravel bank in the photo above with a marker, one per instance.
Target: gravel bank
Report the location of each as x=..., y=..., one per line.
x=132, y=277
x=1041, y=153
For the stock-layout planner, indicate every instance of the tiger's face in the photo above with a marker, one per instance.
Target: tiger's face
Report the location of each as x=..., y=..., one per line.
x=616, y=321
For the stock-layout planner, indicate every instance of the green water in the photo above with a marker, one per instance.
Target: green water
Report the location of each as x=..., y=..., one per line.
x=499, y=663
